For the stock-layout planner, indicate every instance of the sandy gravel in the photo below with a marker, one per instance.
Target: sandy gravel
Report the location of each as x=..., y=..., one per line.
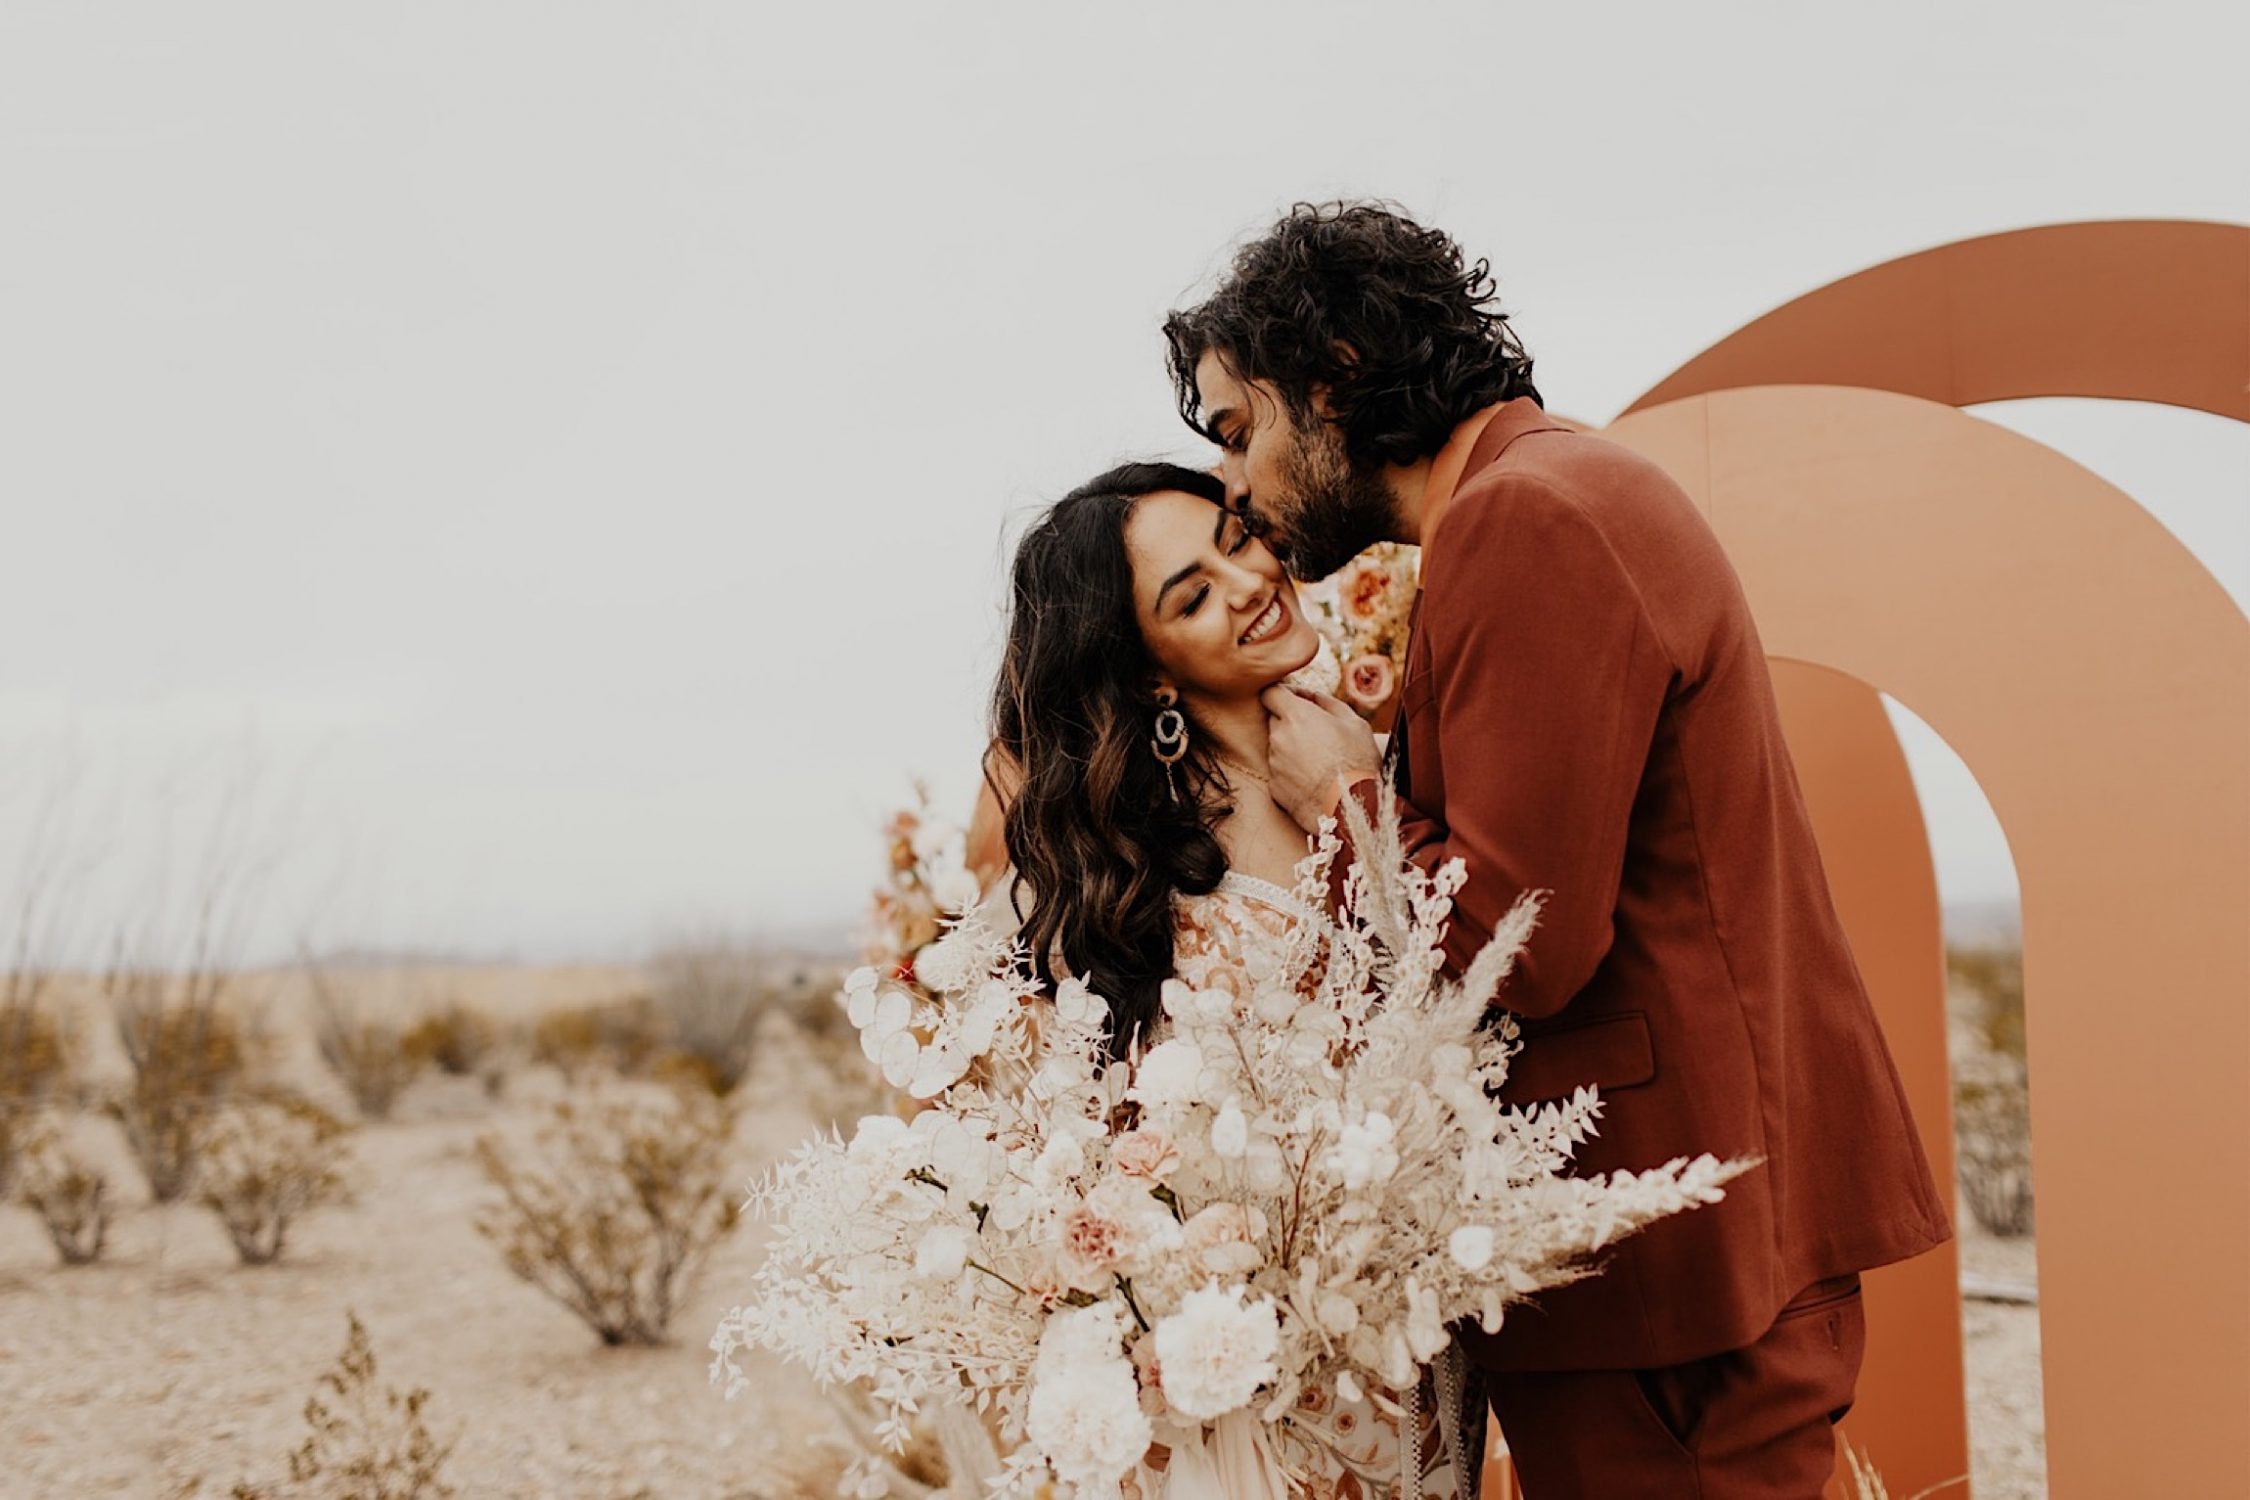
x=2000, y=1349
x=169, y=1371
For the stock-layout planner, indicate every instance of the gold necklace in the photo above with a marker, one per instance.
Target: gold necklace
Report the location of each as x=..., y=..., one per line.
x=1233, y=764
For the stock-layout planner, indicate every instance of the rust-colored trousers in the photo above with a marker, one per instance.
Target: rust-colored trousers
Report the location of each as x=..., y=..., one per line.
x=1751, y=1424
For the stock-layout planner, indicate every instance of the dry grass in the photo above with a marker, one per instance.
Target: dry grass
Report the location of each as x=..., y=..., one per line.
x=70, y=1196
x=1996, y=975
x=34, y=1068
x=457, y=1039
x=367, y=1442
x=1867, y=1484
x=1992, y=1126
x=368, y=1052
x=370, y=1058
x=1991, y=1092
x=266, y=1164
x=187, y=1052
x=715, y=999
x=617, y=1036
x=615, y=1203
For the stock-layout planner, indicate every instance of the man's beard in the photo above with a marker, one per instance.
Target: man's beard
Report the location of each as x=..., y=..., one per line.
x=1337, y=509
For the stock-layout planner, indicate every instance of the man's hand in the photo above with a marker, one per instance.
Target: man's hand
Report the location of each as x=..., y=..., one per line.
x=1318, y=748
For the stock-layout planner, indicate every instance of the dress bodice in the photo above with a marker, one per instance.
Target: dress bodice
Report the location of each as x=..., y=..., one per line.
x=1238, y=933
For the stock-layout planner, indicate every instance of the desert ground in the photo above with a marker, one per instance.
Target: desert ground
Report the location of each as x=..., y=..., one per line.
x=168, y=1370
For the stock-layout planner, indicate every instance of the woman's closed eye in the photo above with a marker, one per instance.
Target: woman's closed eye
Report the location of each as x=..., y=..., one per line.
x=1242, y=539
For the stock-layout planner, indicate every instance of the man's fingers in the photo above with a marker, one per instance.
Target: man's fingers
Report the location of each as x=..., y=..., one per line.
x=1283, y=701
x=1334, y=708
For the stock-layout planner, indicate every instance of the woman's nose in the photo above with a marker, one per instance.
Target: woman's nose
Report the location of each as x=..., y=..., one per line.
x=1242, y=584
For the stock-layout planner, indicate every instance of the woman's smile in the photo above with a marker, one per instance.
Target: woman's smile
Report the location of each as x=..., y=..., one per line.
x=1271, y=621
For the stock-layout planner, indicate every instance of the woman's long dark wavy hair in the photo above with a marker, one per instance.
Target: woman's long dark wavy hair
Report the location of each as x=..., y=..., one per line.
x=1099, y=840
x=1360, y=303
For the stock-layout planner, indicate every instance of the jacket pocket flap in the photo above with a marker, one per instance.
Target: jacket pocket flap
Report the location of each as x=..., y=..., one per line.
x=1614, y=1052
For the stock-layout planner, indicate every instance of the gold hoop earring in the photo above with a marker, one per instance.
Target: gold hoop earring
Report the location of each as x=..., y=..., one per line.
x=1170, y=742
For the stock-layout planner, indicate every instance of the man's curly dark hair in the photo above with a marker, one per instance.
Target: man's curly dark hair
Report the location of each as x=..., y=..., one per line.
x=1360, y=301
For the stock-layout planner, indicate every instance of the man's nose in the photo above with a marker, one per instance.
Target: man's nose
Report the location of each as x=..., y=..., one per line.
x=1232, y=473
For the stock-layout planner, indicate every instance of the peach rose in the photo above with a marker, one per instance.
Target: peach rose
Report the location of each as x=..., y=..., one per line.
x=1146, y=1153
x=1363, y=593
x=1369, y=682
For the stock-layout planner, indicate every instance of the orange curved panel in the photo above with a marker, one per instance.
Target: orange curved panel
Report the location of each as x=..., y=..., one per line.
x=2096, y=680
x=1867, y=820
x=2137, y=310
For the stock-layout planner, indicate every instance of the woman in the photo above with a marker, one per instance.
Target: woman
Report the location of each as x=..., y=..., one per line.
x=1129, y=754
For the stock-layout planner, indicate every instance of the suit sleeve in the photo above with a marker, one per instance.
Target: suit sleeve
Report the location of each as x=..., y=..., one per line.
x=1548, y=679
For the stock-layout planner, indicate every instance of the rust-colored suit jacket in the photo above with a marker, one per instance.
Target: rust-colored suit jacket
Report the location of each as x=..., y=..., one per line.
x=1586, y=710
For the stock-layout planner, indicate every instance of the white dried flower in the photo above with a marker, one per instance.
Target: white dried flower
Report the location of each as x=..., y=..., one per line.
x=1216, y=1351
x=1425, y=1328
x=1168, y=1076
x=955, y=891
x=1363, y=1152
x=1085, y=1412
x=1077, y=1004
x=951, y=963
x=1323, y=674
x=1230, y=1133
x=1470, y=1246
x=859, y=996
x=943, y=1253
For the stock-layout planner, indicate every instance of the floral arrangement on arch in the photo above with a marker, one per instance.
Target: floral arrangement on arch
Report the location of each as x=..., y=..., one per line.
x=1288, y=1194
x=1362, y=611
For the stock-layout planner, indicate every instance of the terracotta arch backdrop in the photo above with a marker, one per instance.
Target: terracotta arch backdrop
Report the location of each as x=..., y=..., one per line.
x=2136, y=310
x=2097, y=680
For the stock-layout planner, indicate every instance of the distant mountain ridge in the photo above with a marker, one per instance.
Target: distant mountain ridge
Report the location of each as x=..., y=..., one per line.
x=1995, y=922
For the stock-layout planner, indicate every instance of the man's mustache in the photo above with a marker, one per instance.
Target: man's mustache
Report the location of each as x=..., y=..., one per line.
x=1258, y=524
x=1261, y=526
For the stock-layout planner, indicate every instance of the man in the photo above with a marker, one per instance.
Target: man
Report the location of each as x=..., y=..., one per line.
x=1585, y=711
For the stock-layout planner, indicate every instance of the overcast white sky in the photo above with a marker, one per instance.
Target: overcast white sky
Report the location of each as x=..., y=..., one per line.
x=577, y=443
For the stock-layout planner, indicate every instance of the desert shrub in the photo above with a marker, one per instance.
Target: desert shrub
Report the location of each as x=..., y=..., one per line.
x=1991, y=1093
x=187, y=1053
x=708, y=998
x=367, y=1442
x=1996, y=976
x=368, y=1055
x=70, y=1197
x=616, y=1202
x=370, y=1058
x=620, y=1036
x=34, y=1066
x=1992, y=1131
x=266, y=1163
x=456, y=1038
